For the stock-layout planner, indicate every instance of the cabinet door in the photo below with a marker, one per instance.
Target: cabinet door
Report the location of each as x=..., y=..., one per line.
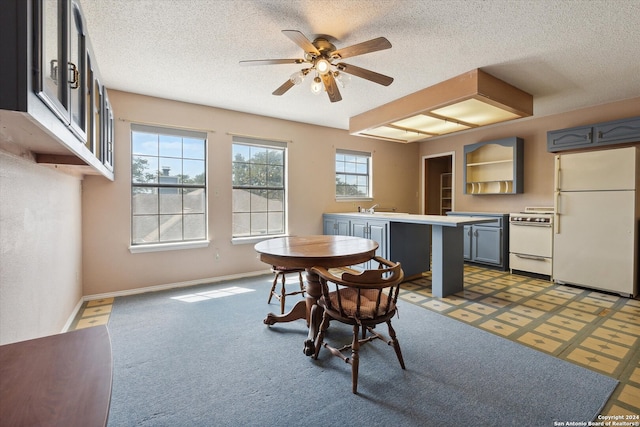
x=619, y=131
x=61, y=54
x=468, y=230
x=76, y=81
x=342, y=227
x=572, y=138
x=359, y=229
x=329, y=226
x=335, y=226
x=378, y=233
x=487, y=244
x=107, y=133
x=50, y=85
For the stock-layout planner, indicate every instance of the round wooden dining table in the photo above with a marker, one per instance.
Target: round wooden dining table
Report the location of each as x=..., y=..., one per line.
x=307, y=252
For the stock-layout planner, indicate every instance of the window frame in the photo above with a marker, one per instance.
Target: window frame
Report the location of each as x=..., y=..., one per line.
x=269, y=144
x=369, y=175
x=202, y=240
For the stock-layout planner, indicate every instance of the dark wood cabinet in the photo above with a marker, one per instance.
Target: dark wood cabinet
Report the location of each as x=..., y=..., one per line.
x=52, y=102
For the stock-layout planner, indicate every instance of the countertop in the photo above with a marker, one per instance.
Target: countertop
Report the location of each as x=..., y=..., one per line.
x=441, y=220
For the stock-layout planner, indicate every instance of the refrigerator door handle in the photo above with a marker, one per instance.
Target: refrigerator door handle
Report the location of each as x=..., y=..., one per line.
x=556, y=214
x=556, y=181
x=556, y=184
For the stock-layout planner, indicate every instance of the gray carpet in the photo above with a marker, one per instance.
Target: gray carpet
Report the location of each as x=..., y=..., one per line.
x=214, y=363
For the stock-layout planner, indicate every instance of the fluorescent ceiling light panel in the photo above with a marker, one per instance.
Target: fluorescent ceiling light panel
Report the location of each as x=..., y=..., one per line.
x=475, y=112
x=431, y=125
x=464, y=102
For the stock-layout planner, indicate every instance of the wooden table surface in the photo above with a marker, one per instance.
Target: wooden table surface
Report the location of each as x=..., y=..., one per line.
x=310, y=251
x=322, y=250
x=59, y=380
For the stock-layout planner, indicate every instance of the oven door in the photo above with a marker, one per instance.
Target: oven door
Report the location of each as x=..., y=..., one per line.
x=531, y=239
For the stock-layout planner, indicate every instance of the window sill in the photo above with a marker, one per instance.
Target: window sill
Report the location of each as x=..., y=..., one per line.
x=160, y=247
x=354, y=199
x=254, y=239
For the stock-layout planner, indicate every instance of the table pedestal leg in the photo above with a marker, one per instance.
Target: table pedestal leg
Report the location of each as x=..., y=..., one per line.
x=308, y=310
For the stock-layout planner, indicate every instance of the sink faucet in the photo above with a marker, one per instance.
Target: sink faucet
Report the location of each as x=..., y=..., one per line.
x=371, y=209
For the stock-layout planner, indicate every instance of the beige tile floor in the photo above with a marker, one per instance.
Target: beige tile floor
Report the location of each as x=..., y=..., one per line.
x=595, y=330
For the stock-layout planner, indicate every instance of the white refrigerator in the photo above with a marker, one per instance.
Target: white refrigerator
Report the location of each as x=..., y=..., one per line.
x=597, y=209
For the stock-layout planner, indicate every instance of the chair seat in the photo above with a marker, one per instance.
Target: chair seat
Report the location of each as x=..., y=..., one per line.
x=283, y=269
x=368, y=297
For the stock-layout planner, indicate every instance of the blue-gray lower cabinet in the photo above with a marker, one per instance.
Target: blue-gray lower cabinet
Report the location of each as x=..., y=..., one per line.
x=335, y=225
x=487, y=243
x=374, y=230
x=409, y=244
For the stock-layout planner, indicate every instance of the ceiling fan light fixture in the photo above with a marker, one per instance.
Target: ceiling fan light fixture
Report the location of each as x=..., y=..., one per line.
x=342, y=79
x=316, y=86
x=297, y=77
x=320, y=55
x=323, y=66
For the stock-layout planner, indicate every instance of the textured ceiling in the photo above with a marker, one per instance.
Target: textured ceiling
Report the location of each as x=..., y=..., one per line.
x=567, y=54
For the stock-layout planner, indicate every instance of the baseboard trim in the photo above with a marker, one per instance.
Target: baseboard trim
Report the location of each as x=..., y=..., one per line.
x=169, y=286
x=74, y=313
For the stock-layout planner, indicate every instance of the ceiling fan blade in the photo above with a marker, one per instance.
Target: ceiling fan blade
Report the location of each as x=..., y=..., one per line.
x=272, y=61
x=331, y=87
x=361, y=48
x=365, y=74
x=282, y=89
x=301, y=40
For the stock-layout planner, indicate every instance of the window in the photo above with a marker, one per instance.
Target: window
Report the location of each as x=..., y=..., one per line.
x=259, y=207
x=353, y=175
x=168, y=185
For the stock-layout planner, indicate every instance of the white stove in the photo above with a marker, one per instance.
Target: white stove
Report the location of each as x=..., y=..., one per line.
x=531, y=240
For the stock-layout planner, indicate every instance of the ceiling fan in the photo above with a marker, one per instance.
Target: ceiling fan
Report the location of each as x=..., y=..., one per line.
x=324, y=60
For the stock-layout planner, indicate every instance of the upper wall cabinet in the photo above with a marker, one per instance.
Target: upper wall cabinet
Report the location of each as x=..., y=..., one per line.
x=494, y=167
x=52, y=102
x=594, y=136
x=569, y=139
x=618, y=131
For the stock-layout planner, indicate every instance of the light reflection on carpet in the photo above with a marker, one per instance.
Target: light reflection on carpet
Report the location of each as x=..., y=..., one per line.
x=217, y=293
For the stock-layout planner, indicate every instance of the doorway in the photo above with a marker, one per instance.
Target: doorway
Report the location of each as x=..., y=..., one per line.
x=438, y=183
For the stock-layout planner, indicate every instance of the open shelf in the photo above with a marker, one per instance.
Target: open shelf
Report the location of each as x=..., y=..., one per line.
x=446, y=193
x=494, y=167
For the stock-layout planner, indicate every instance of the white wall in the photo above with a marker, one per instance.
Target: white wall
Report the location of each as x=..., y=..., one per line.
x=40, y=248
x=109, y=266
x=538, y=163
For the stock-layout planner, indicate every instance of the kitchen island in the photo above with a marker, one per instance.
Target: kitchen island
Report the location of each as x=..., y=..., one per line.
x=409, y=239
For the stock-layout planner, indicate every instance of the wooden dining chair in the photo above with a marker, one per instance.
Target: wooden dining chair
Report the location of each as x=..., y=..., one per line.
x=281, y=272
x=362, y=300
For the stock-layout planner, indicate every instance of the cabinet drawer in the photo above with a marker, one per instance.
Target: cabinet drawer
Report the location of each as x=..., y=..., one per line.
x=495, y=223
x=522, y=263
